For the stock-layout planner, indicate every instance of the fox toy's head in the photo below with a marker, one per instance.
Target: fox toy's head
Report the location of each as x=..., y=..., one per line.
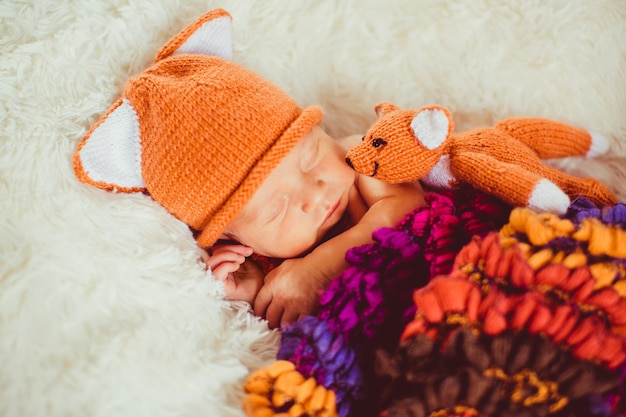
x=403, y=145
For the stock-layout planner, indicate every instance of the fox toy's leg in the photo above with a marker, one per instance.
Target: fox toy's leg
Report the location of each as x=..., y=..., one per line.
x=589, y=188
x=510, y=182
x=552, y=139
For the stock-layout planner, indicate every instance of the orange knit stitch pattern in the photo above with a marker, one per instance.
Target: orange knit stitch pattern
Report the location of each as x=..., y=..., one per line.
x=209, y=130
x=506, y=161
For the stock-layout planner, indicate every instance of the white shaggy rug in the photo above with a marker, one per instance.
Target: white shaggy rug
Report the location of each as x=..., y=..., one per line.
x=104, y=309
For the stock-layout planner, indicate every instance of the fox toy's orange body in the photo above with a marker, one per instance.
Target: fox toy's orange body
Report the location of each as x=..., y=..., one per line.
x=406, y=145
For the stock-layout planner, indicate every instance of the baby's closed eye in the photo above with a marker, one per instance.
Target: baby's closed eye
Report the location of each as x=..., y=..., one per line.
x=310, y=155
x=278, y=209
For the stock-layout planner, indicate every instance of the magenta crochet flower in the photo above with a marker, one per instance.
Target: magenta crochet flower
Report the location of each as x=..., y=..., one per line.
x=366, y=306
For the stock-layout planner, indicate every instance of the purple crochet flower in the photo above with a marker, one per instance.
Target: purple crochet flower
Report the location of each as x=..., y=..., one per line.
x=384, y=273
x=355, y=303
x=365, y=307
x=581, y=208
x=318, y=351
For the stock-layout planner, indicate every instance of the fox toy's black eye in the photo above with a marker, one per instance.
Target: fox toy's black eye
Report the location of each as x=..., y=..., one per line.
x=363, y=139
x=378, y=142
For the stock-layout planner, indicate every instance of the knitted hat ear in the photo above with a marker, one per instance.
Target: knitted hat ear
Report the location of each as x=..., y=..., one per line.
x=209, y=35
x=432, y=125
x=109, y=156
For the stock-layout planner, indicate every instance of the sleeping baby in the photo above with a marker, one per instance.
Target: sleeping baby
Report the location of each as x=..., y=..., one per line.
x=310, y=209
x=235, y=158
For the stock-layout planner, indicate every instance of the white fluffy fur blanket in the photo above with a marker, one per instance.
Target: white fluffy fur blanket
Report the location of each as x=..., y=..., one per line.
x=104, y=309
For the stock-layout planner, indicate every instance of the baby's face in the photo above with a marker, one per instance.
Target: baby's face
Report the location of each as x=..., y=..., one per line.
x=299, y=202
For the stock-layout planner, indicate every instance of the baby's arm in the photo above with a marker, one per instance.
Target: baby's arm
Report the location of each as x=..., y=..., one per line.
x=292, y=289
x=386, y=205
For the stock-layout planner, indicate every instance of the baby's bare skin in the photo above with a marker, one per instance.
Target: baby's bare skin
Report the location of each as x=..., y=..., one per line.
x=242, y=278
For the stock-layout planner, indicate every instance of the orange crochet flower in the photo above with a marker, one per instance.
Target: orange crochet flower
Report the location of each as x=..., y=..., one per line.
x=280, y=390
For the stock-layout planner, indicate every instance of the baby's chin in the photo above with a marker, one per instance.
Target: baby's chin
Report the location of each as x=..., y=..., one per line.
x=316, y=237
x=288, y=253
x=287, y=250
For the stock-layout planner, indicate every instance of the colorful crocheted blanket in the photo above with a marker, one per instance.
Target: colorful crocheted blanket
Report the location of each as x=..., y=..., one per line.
x=466, y=308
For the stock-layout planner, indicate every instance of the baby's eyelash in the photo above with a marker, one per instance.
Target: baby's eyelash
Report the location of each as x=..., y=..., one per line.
x=280, y=209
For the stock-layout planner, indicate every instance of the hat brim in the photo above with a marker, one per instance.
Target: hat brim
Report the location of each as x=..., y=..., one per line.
x=309, y=118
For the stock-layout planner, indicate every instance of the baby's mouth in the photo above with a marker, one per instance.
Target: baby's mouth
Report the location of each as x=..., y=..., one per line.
x=332, y=211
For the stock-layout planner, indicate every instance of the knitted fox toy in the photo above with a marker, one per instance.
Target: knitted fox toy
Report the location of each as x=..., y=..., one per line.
x=405, y=145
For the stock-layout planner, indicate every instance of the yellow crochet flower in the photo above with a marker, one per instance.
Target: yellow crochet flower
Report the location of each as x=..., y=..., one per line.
x=279, y=390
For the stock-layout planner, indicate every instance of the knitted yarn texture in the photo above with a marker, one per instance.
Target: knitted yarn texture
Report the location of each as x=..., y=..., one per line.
x=455, y=313
x=505, y=160
x=196, y=131
x=367, y=306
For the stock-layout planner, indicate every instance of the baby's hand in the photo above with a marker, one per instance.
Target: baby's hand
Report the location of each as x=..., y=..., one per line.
x=290, y=292
x=242, y=279
x=225, y=259
x=244, y=283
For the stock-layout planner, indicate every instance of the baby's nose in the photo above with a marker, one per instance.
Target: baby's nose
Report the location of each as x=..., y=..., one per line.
x=313, y=197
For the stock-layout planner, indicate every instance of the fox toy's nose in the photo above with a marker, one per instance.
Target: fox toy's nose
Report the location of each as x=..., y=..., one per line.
x=349, y=162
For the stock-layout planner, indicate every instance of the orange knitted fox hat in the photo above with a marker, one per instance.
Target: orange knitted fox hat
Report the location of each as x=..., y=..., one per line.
x=196, y=131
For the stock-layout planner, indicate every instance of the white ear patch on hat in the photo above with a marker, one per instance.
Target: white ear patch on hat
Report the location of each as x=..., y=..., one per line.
x=209, y=35
x=110, y=156
x=213, y=38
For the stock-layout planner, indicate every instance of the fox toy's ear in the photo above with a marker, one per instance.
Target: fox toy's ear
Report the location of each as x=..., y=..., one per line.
x=208, y=35
x=432, y=125
x=109, y=155
x=383, y=108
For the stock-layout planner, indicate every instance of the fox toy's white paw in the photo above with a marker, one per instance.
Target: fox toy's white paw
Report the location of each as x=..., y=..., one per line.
x=547, y=197
x=599, y=145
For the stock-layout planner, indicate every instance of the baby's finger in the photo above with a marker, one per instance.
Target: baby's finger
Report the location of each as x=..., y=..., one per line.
x=288, y=318
x=221, y=271
x=239, y=249
x=225, y=256
x=274, y=315
x=262, y=301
